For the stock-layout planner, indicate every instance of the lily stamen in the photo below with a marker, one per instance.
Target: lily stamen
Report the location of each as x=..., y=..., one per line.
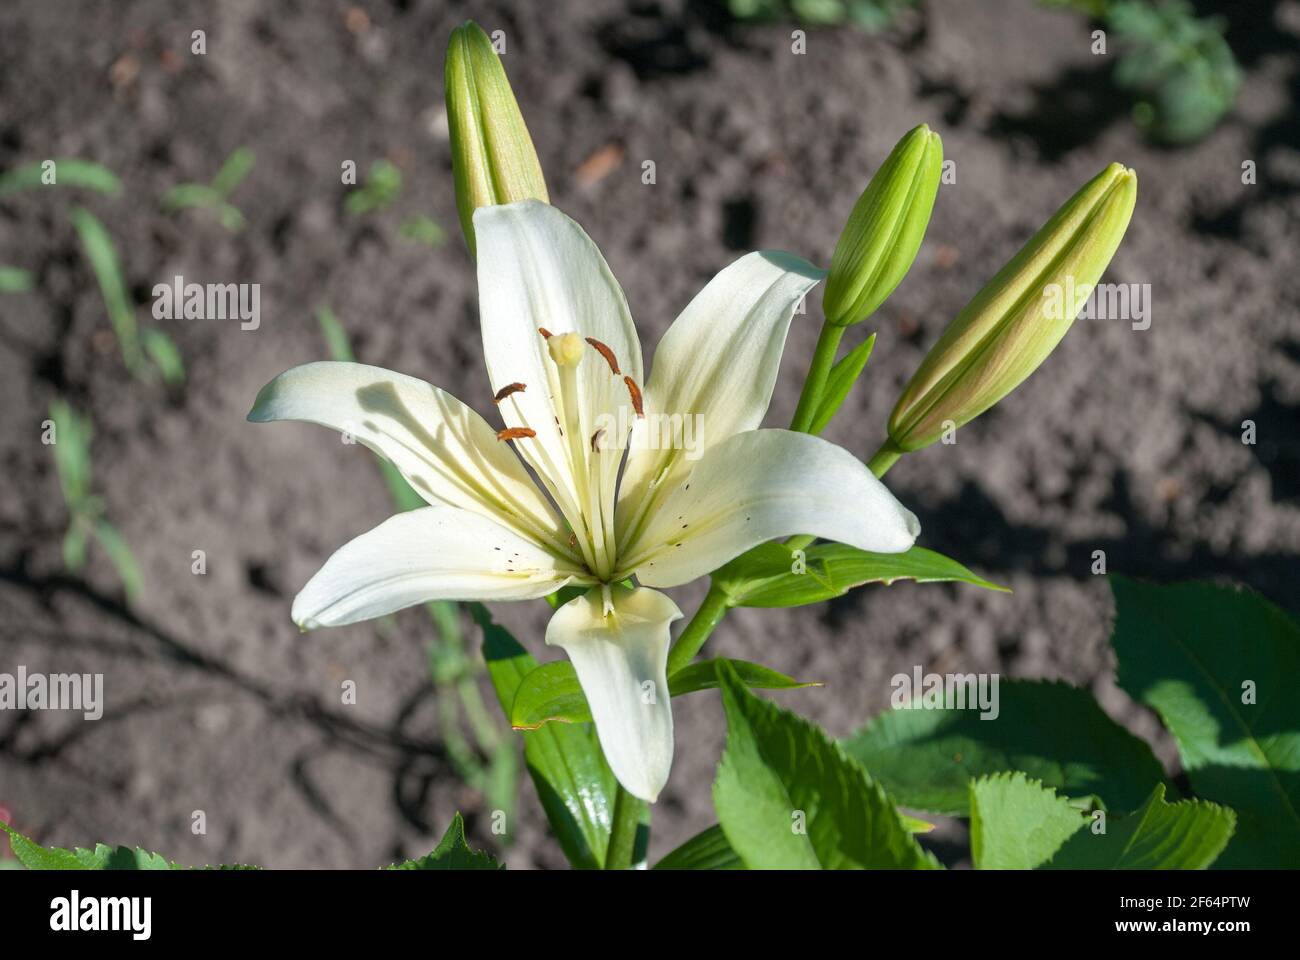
x=516, y=433
x=607, y=353
x=635, y=393
x=507, y=390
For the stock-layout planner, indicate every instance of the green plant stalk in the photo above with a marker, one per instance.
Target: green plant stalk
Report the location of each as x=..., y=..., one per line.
x=828, y=344
x=884, y=458
x=710, y=613
x=622, y=831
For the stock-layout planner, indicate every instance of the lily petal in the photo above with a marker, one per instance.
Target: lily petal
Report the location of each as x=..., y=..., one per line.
x=538, y=270
x=717, y=365
x=761, y=485
x=621, y=661
x=446, y=451
x=433, y=553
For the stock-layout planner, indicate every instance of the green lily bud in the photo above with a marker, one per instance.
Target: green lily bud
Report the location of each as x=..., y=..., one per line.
x=885, y=229
x=1017, y=319
x=492, y=156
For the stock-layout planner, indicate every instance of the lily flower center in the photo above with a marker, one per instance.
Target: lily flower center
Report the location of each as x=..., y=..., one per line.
x=581, y=474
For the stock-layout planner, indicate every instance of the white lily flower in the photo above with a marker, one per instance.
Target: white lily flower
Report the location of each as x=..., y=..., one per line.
x=565, y=364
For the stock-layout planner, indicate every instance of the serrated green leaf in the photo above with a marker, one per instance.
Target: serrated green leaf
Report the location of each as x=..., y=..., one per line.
x=765, y=577
x=68, y=172
x=552, y=692
x=1016, y=823
x=1189, y=651
x=451, y=853
x=844, y=374
x=788, y=797
x=1188, y=835
x=103, y=857
x=573, y=781
x=707, y=850
x=1052, y=732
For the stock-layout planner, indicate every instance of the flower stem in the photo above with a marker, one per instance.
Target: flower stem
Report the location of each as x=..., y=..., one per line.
x=823, y=359
x=884, y=458
x=709, y=615
x=622, y=831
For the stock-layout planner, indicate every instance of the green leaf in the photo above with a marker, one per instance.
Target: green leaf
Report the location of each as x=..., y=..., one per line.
x=1017, y=823
x=72, y=433
x=68, y=172
x=839, y=382
x=35, y=857
x=423, y=229
x=233, y=171
x=165, y=355
x=336, y=338
x=1192, y=652
x=765, y=577
x=383, y=184
x=573, y=781
x=552, y=692
x=708, y=850
x=191, y=195
x=14, y=280
x=1188, y=835
x=1052, y=732
x=451, y=853
x=123, y=560
x=788, y=797
x=103, y=259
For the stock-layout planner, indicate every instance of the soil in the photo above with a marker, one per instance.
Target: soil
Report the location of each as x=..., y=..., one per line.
x=1128, y=441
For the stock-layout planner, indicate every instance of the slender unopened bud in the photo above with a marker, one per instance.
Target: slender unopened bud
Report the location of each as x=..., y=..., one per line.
x=1000, y=337
x=885, y=229
x=492, y=156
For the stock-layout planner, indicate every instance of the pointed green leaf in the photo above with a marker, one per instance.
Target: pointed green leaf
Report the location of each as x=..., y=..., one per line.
x=36, y=857
x=573, y=781
x=1220, y=665
x=68, y=172
x=707, y=850
x=451, y=853
x=233, y=171
x=101, y=253
x=1188, y=835
x=552, y=692
x=165, y=355
x=1018, y=824
x=766, y=576
x=1052, y=732
x=788, y=797
x=839, y=382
